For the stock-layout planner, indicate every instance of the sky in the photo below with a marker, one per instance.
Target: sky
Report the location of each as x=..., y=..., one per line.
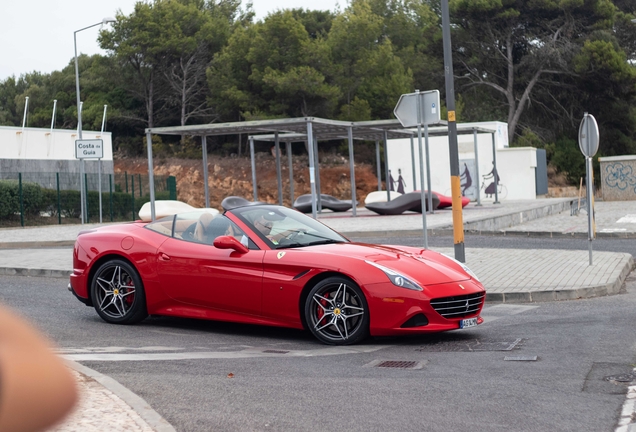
x=37, y=35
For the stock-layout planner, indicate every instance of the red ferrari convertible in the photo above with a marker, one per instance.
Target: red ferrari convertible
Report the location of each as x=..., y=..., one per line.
x=271, y=265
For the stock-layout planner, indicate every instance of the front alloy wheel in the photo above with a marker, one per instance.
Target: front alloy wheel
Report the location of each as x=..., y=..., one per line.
x=337, y=312
x=118, y=294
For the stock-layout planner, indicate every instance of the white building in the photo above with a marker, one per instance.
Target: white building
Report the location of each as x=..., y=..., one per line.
x=46, y=150
x=516, y=166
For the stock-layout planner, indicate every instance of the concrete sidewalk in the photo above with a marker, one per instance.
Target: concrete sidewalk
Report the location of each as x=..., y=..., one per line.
x=510, y=275
x=487, y=217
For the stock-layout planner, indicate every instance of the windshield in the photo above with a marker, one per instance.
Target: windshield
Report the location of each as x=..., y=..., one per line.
x=282, y=227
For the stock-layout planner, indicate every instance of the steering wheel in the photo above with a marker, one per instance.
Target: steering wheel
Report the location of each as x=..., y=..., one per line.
x=295, y=234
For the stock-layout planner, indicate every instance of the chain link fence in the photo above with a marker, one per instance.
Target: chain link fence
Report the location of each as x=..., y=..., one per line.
x=41, y=198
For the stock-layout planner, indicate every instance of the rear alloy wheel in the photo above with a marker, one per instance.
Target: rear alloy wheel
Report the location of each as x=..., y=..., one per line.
x=337, y=312
x=118, y=294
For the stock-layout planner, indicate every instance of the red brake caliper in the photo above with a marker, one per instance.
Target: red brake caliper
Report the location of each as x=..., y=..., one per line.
x=130, y=298
x=321, y=312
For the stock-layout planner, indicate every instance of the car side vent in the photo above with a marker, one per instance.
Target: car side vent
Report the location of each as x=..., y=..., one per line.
x=418, y=320
x=459, y=306
x=301, y=274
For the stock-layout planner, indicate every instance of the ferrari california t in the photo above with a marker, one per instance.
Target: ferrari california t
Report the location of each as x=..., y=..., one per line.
x=270, y=265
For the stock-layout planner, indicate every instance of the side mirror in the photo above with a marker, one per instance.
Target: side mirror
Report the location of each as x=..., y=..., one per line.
x=229, y=242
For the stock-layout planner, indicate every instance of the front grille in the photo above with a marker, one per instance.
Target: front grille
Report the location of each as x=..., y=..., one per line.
x=458, y=306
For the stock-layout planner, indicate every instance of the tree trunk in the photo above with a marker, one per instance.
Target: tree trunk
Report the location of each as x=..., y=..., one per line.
x=150, y=100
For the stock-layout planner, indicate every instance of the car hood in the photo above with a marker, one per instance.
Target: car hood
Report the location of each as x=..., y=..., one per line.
x=423, y=266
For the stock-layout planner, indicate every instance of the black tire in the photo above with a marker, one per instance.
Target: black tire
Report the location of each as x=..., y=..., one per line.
x=337, y=312
x=118, y=293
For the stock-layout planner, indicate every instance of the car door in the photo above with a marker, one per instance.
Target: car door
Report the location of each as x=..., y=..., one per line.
x=203, y=275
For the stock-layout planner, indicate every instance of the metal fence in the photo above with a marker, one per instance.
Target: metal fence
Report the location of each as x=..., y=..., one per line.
x=40, y=198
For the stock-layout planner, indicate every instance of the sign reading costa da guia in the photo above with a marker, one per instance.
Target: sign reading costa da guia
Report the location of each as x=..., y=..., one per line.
x=89, y=149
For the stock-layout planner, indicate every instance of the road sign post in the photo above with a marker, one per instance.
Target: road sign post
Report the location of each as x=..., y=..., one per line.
x=419, y=143
x=588, y=143
x=87, y=149
x=420, y=109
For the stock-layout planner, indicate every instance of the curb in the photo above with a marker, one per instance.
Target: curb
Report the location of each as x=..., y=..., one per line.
x=555, y=234
x=17, y=271
x=481, y=226
x=612, y=288
x=140, y=406
x=442, y=231
x=448, y=231
x=37, y=245
x=516, y=218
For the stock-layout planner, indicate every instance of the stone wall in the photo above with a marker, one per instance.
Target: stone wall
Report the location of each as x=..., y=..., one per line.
x=14, y=166
x=618, y=178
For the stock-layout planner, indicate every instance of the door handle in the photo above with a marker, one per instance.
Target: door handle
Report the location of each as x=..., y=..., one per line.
x=164, y=257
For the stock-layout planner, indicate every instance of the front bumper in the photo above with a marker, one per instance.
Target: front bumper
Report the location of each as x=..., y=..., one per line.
x=411, y=312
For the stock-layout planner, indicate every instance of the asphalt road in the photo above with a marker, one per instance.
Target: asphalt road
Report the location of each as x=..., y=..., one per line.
x=239, y=378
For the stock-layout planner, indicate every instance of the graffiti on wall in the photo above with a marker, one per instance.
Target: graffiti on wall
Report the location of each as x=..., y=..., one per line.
x=469, y=185
x=620, y=176
x=398, y=184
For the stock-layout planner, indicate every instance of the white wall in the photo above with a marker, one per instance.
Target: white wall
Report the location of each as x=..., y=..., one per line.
x=516, y=166
x=36, y=143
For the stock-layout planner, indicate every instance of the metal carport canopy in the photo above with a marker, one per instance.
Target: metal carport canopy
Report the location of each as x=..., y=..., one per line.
x=308, y=125
x=357, y=133
x=302, y=125
x=298, y=125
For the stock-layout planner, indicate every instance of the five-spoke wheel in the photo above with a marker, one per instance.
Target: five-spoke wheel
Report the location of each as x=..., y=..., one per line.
x=117, y=293
x=337, y=312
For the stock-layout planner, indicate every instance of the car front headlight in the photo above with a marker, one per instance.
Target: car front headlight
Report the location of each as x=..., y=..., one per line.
x=396, y=278
x=465, y=267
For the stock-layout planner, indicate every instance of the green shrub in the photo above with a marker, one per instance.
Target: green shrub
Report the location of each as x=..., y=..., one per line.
x=567, y=158
x=8, y=198
x=49, y=201
x=32, y=198
x=36, y=200
x=70, y=203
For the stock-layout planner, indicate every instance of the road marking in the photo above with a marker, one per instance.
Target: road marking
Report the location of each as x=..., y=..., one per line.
x=246, y=353
x=492, y=313
x=630, y=218
x=521, y=358
x=113, y=349
x=626, y=421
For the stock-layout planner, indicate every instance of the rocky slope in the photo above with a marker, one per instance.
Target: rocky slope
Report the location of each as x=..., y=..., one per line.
x=233, y=176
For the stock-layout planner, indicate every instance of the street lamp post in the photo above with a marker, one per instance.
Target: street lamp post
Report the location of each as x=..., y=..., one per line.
x=79, y=112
